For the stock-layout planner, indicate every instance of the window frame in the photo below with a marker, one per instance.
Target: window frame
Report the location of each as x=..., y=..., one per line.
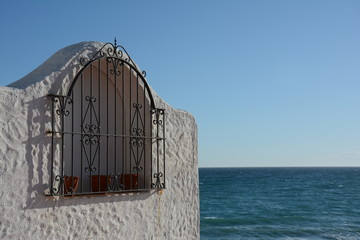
x=63, y=182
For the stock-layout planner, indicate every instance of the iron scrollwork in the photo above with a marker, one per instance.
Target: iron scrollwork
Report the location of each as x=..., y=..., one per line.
x=90, y=136
x=62, y=101
x=137, y=140
x=55, y=189
x=114, y=182
x=158, y=113
x=158, y=121
x=113, y=51
x=158, y=184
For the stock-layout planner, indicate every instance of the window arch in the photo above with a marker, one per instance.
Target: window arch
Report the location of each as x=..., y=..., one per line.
x=107, y=135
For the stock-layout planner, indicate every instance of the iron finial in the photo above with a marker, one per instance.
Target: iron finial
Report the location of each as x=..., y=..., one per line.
x=115, y=41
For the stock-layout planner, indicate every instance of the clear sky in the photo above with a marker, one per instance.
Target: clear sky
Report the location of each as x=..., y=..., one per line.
x=270, y=83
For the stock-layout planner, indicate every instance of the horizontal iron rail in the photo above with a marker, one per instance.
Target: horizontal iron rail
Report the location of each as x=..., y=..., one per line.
x=55, y=95
x=106, y=135
x=107, y=192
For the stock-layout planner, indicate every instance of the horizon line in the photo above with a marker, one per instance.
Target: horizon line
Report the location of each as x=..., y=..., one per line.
x=286, y=167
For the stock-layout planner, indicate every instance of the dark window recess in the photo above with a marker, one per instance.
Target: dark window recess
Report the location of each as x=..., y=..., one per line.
x=106, y=133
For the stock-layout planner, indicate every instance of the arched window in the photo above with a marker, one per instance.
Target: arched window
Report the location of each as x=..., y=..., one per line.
x=107, y=135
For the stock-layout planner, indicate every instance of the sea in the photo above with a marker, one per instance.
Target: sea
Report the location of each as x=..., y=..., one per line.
x=279, y=203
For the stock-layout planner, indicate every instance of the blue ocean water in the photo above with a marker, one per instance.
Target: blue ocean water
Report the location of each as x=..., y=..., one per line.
x=280, y=203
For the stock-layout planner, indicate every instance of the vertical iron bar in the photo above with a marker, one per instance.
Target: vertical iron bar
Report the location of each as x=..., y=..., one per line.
x=99, y=123
x=62, y=140
x=151, y=145
x=123, y=122
x=107, y=120
x=115, y=83
x=52, y=147
x=90, y=136
x=130, y=152
x=144, y=134
x=163, y=111
x=137, y=123
x=72, y=142
x=157, y=144
x=81, y=137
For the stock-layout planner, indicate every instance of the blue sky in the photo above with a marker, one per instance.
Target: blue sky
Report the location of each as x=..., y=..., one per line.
x=270, y=83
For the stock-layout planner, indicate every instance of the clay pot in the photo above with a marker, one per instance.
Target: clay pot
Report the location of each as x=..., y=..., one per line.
x=70, y=184
x=127, y=184
x=104, y=182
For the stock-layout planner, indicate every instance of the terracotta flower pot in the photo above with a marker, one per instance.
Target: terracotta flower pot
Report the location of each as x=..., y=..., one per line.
x=70, y=184
x=127, y=184
x=104, y=182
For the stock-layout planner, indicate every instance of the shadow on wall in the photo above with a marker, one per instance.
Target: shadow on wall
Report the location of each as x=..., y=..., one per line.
x=38, y=152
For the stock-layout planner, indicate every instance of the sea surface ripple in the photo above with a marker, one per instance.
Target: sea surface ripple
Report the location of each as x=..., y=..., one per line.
x=280, y=203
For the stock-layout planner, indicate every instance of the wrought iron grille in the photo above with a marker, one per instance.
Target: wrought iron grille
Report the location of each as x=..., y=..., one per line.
x=106, y=133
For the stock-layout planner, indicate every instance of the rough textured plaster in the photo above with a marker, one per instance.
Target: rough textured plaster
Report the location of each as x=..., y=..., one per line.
x=24, y=157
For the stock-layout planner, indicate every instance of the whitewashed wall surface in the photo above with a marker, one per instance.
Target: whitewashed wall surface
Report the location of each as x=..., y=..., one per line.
x=25, y=211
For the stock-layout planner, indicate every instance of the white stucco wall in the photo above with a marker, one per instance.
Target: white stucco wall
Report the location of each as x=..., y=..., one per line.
x=26, y=213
